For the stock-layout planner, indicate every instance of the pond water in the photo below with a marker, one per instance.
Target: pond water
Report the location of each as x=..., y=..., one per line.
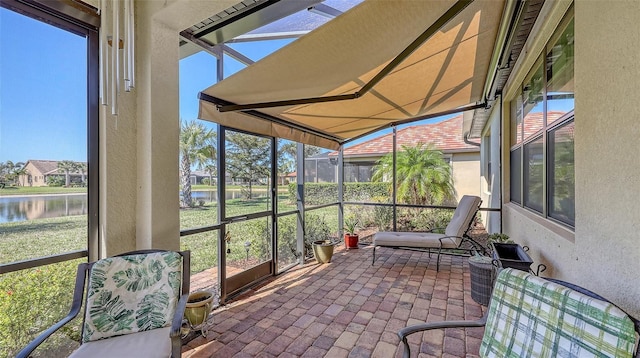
x=32, y=207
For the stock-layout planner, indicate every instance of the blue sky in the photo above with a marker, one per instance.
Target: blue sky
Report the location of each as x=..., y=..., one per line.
x=42, y=91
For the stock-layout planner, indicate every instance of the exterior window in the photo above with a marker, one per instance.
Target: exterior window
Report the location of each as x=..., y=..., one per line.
x=532, y=102
x=562, y=174
x=542, y=137
x=516, y=176
x=516, y=120
x=559, y=63
x=533, y=174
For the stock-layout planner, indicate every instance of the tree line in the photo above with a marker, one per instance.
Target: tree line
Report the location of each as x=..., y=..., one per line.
x=248, y=157
x=422, y=174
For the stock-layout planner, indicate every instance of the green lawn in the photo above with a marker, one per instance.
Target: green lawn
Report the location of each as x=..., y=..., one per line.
x=33, y=190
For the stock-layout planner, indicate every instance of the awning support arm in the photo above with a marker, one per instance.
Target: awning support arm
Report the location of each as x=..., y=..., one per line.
x=220, y=102
x=427, y=34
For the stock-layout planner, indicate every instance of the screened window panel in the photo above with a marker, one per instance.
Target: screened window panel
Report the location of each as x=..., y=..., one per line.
x=320, y=176
x=533, y=174
x=562, y=174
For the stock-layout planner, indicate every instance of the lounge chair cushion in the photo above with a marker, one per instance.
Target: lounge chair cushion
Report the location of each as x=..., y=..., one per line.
x=532, y=317
x=154, y=343
x=465, y=211
x=133, y=293
x=413, y=239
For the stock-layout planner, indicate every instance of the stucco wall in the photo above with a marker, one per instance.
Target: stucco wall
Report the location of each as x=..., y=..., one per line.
x=490, y=180
x=466, y=173
x=602, y=254
x=139, y=203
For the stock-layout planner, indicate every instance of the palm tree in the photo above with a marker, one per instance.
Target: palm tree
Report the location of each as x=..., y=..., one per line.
x=82, y=168
x=423, y=176
x=67, y=166
x=210, y=169
x=10, y=171
x=196, y=148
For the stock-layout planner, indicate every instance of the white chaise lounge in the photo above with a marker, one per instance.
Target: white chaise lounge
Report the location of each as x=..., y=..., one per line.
x=454, y=235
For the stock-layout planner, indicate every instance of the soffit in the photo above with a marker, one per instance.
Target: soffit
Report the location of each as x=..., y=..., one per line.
x=475, y=124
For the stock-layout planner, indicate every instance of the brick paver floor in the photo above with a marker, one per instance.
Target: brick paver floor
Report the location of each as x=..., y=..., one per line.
x=348, y=308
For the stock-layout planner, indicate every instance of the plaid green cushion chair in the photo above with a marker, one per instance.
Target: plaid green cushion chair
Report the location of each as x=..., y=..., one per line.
x=533, y=317
x=134, y=305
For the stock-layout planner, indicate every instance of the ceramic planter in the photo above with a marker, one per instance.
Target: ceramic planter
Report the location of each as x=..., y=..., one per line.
x=323, y=250
x=351, y=241
x=198, y=308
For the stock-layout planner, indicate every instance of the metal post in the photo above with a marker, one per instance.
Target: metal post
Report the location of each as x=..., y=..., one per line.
x=393, y=181
x=300, y=202
x=341, y=191
x=222, y=245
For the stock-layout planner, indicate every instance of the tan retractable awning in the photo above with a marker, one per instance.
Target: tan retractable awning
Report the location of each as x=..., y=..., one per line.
x=445, y=72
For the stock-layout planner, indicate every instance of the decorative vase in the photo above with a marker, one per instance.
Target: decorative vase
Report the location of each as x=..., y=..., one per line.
x=198, y=308
x=323, y=250
x=351, y=241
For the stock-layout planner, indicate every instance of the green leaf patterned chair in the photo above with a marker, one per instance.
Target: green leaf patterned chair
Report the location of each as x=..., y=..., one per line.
x=530, y=316
x=134, y=305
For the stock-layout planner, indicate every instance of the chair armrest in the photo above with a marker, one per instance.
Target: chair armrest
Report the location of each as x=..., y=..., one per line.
x=178, y=316
x=78, y=293
x=403, y=333
x=450, y=237
x=176, y=327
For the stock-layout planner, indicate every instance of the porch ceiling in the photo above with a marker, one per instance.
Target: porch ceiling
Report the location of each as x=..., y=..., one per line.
x=349, y=58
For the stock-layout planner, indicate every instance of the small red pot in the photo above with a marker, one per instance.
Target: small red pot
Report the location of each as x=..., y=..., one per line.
x=351, y=241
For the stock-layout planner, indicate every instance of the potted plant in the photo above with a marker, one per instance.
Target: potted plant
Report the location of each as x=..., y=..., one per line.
x=350, y=236
x=323, y=250
x=500, y=238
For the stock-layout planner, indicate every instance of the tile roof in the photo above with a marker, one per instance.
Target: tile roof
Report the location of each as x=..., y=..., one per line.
x=45, y=166
x=445, y=135
x=533, y=122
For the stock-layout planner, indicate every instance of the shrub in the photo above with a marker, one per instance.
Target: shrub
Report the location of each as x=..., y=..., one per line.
x=315, y=228
x=55, y=181
x=287, y=246
x=31, y=301
x=324, y=193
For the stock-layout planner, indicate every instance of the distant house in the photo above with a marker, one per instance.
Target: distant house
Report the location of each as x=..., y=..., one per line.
x=198, y=175
x=40, y=172
x=360, y=159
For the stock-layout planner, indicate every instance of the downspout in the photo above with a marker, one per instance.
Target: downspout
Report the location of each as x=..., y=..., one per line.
x=465, y=137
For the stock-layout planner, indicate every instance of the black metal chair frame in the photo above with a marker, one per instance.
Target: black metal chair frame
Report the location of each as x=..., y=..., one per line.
x=476, y=247
x=78, y=299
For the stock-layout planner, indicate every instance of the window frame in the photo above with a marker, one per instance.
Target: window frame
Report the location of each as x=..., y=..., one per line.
x=83, y=21
x=518, y=141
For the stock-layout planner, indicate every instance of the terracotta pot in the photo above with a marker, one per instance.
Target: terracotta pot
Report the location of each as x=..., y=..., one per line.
x=323, y=250
x=351, y=241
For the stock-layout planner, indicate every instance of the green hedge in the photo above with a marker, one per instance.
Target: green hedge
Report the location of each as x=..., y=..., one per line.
x=31, y=301
x=324, y=193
